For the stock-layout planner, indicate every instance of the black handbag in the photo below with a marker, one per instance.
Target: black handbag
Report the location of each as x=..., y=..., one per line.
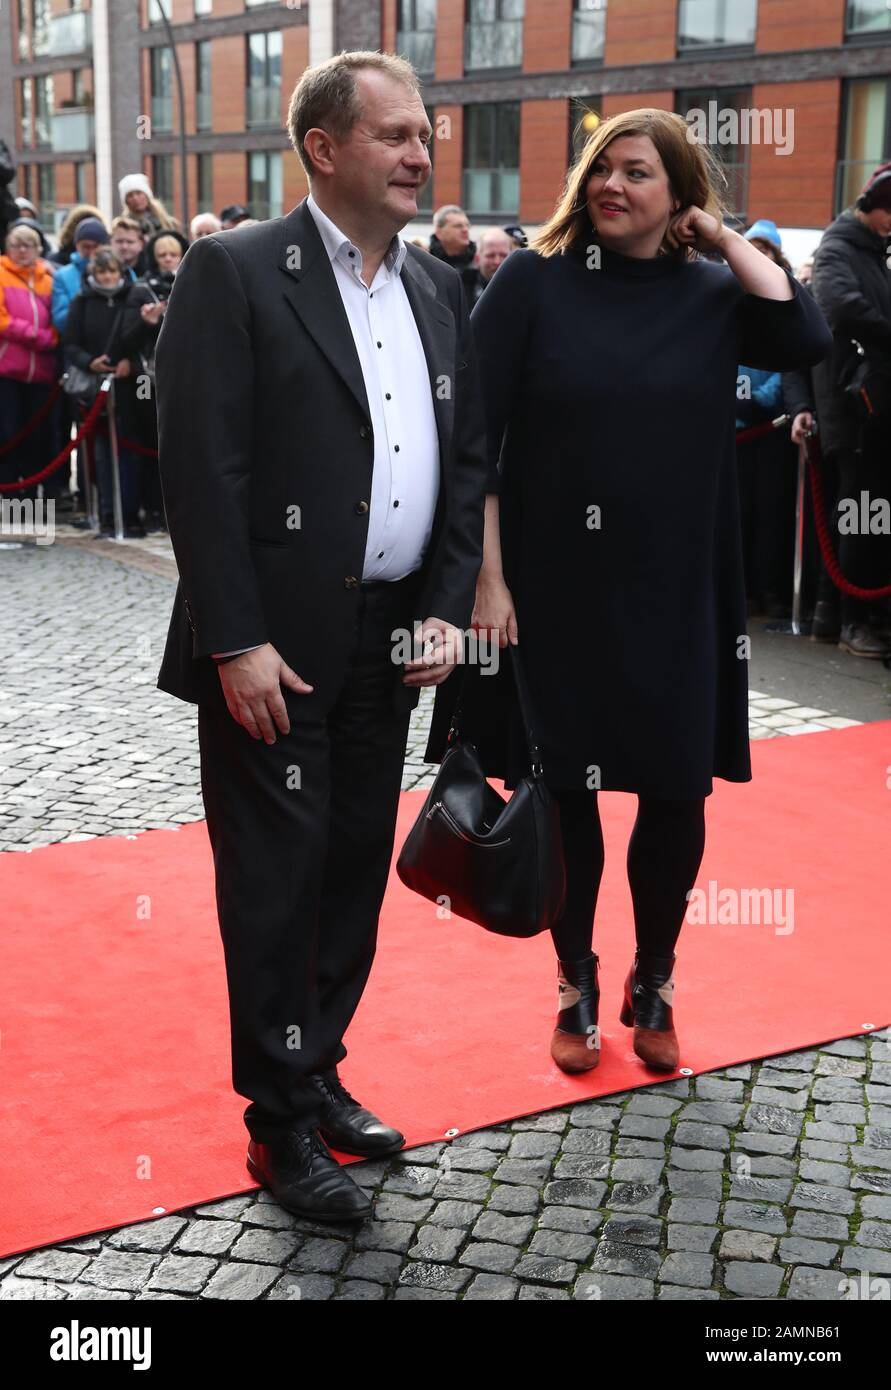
x=497, y=862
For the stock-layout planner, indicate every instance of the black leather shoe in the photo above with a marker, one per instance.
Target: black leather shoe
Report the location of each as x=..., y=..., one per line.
x=302, y=1176
x=348, y=1126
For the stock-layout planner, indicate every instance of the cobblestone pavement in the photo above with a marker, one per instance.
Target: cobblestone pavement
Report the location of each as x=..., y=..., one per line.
x=770, y=1180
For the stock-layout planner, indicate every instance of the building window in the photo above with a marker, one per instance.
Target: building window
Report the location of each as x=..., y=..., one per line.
x=204, y=182
x=265, y=184
x=584, y=118
x=733, y=158
x=255, y=4
x=202, y=85
x=866, y=135
x=492, y=159
x=154, y=14
x=23, y=28
x=43, y=110
x=27, y=135
x=46, y=192
x=588, y=30
x=493, y=34
x=162, y=88
x=264, y=78
x=867, y=17
x=80, y=183
x=162, y=178
x=40, y=44
x=416, y=33
x=716, y=24
x=203, y=7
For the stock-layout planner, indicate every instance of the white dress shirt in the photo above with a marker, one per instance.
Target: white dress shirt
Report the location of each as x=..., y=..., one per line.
x=405, y=478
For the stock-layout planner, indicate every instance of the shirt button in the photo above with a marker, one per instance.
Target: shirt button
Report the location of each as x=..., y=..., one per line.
x=378, y=344
x=361, y=508
x=350, y=582
x=387, y=395
x=364, y=431
x=396, y=448
x=380, y=555
x=395, y=504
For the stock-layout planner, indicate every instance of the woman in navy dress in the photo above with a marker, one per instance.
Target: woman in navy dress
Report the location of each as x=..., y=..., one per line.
x=609, y=357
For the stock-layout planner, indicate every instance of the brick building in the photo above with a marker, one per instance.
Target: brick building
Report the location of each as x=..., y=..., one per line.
x=88, y=93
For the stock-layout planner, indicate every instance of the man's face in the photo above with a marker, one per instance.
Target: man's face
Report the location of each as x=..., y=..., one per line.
x=382, y=165
x=879, y=220
x=454, y=234
x=496, y=248
x=86, y=248
x=126, y=245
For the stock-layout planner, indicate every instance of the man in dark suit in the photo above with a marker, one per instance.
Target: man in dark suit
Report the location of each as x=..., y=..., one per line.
x=323, y=465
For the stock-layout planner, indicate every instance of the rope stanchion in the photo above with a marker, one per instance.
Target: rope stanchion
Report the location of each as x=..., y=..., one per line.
x=34, y=421
x=825, y=540
x=135, y=448
x=86, y=428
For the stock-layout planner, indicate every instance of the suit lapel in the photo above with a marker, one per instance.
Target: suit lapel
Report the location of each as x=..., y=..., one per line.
x=311, y=290
x=436, y=328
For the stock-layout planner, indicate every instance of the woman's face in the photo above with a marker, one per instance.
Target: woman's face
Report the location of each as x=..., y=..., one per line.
x=629, y=197
x=107, y=277
x=168, y=253
x=23, y=253
x=137, y=201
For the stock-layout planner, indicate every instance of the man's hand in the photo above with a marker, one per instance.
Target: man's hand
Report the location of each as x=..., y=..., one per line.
x=252, y=687
x=122, y=368
x=443, y=648
x=101, y=364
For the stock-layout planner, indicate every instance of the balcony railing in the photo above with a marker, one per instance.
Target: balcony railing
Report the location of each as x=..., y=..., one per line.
x=263, y=105
x=72, y=129
x=498, y=44
x=419, y=47
x=492, y=191
x=71, y=32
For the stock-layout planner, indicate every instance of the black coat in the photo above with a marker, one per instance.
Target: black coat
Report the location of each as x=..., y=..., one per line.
x=852, y=285
x=615, y=388
x=93, y=327
x=262, y=406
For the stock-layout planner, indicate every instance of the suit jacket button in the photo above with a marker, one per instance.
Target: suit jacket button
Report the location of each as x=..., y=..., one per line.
x=361, y=508
x=364, y=431
x=350, y=582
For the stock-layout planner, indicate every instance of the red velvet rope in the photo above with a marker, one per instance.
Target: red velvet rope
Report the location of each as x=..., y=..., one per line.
x=86, y=428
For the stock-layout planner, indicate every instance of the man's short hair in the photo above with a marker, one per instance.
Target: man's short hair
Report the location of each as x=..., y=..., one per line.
x=327, y=95
x=445, y=211
x=129, y=224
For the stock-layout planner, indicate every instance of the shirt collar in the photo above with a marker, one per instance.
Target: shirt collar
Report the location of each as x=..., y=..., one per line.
x=339, y=246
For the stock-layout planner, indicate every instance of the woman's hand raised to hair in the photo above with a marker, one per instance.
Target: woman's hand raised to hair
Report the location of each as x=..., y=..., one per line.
x=697, y=228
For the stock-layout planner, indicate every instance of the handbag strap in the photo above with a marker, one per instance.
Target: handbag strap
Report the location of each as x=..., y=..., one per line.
x=523, y=700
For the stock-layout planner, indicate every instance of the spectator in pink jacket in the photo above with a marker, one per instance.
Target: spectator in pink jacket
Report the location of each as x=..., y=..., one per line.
x=29, y=358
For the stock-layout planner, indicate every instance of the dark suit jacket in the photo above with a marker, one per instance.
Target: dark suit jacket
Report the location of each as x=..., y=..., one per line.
x=261, y=409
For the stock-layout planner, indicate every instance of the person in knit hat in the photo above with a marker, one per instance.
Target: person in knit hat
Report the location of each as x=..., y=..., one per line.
x=139, y=202
x=89, y=234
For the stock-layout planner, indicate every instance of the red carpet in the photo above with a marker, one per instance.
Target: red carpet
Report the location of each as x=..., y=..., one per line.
x=117, y=1100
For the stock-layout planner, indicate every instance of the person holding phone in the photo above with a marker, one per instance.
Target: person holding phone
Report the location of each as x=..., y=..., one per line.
x=612, y=553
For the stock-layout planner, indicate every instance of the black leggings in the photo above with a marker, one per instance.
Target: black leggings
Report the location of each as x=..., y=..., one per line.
x=664, y=854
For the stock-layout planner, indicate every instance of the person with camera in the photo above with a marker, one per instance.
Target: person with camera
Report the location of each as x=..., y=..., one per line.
x=91, y=340
x=851, y=283
x=143, y=316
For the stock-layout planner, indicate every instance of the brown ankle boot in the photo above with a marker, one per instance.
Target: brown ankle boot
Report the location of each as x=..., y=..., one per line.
x=649, y=990
x=575, y=1044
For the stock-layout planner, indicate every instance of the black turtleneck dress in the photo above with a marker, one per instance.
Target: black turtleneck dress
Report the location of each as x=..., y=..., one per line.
x=611, y=400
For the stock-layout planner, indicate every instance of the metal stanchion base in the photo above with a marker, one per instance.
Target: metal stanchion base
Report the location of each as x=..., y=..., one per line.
x=787, y=627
